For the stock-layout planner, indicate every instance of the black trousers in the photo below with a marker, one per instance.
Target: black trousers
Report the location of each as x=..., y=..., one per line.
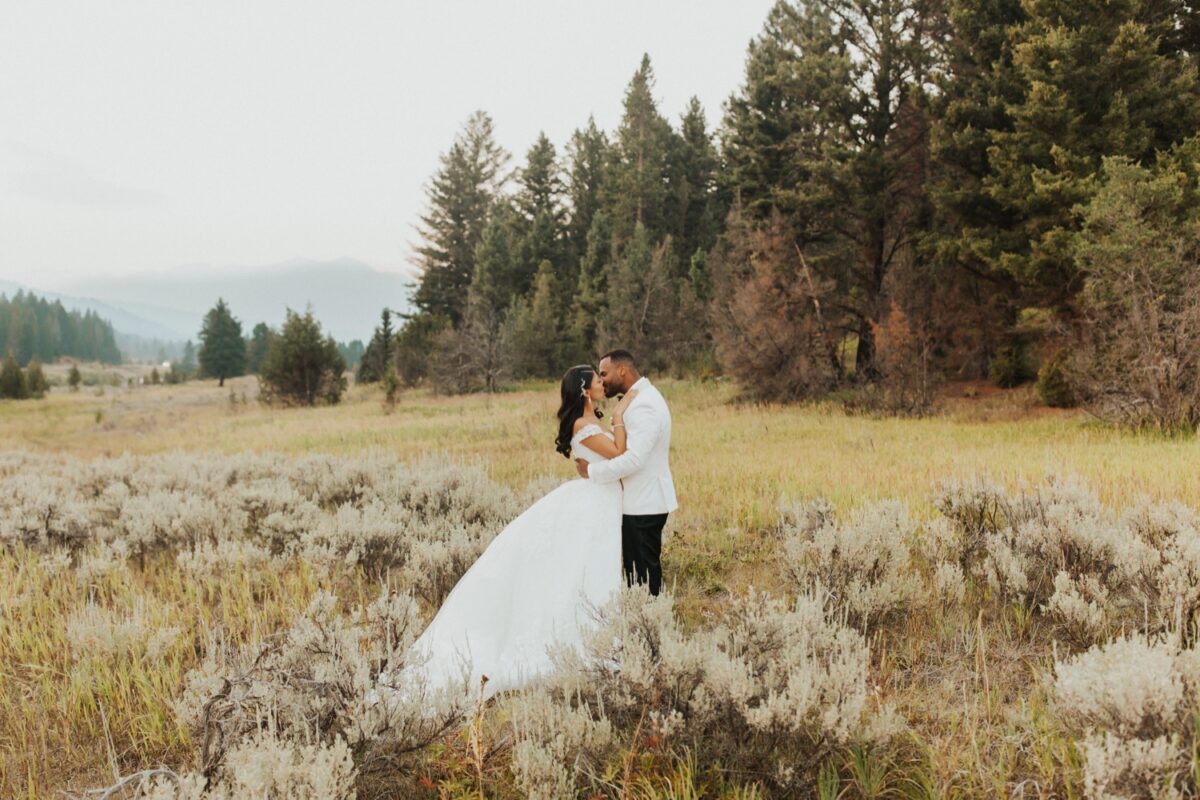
x=641, y=545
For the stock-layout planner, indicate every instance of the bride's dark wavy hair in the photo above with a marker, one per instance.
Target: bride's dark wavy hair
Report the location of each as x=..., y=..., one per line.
x=574, y=385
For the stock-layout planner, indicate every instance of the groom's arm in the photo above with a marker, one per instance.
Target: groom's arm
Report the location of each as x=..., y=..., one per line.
x=643, y=426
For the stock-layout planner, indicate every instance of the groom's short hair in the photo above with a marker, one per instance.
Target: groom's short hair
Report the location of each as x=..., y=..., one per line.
x=620, y=357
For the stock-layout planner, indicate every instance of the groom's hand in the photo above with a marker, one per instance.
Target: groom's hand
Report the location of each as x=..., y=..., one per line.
x=581, y=467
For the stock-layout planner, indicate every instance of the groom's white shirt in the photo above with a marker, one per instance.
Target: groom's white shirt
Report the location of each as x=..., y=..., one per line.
x=643, y=469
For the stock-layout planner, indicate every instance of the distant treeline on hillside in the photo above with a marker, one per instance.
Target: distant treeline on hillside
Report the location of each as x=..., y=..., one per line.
x=32, y=326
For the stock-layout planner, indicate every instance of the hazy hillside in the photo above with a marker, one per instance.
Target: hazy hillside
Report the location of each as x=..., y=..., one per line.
x=346, y=295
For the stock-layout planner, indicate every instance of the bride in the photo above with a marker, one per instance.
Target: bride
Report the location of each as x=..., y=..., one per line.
x=538, y=583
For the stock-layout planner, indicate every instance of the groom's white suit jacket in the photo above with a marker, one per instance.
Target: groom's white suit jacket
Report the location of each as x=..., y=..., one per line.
x=643, y=469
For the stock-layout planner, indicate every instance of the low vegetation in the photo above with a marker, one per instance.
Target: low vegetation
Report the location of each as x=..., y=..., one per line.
x=186, y=619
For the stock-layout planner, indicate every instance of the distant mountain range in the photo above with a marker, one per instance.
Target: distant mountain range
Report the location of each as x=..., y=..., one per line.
x=346, y=297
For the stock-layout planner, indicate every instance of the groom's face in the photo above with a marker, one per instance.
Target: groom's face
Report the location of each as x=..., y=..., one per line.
x=614, y=376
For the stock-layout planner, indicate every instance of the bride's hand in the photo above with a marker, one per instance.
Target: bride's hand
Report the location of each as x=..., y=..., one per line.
x=623, y=405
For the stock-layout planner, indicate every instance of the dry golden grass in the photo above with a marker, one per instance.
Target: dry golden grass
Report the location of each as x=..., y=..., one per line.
x=965, y=683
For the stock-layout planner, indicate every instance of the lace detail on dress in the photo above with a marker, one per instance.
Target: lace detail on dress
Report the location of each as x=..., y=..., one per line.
x=591, y=429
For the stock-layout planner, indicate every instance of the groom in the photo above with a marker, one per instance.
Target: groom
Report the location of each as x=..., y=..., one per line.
x=649, y=492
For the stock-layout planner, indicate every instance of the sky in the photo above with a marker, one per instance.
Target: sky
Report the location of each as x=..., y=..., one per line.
x=140, y=136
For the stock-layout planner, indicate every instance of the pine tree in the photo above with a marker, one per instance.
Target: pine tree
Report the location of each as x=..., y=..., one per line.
x=533, y=333
x=74, y=378
x=12, y=380
x=460, y=197
x=830, y=128
x=302, y=365
x=970, y=228
x=256, y=347
x=188, y=365
x=637, y=177
x=541, y=216
x=414, y=343
x=698, y=211
x=378, y=355
x=499, y=268
x=590, y=302
x=1100, y=83
x=586, y=154
x=222, y=349
x=155, y=377
x=35, y=379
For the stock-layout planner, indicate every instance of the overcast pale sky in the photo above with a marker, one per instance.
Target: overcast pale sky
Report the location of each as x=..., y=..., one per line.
x=138, y=136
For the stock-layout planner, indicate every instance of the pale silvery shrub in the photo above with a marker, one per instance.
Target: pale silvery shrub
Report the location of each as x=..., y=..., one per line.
x=864, y=563
x=772, y=688
x=319, y=679
x=41, y=510
x=266, y=766
x=1057, y=550
x=95, y=630
x=215, y=559
x=1134, y=699
x=555, y=740
x=424, y=523
x=107, y=560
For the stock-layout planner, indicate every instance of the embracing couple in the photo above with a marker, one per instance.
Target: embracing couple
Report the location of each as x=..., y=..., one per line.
x=538, y=584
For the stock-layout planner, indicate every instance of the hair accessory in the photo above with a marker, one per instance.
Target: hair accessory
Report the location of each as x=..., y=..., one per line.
x=583, y=386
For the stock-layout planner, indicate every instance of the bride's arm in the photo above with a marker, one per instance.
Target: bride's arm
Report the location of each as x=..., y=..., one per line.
x=602, y=445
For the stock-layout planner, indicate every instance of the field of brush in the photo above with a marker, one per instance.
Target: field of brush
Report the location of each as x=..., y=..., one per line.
x=999, y=600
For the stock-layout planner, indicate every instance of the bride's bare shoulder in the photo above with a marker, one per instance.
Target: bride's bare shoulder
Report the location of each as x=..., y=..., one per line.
x=584, y=421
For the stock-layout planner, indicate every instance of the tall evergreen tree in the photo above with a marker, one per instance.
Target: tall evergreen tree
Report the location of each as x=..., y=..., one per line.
x=188, y=364
x=460, y=196
x=378, y=355
x=698, y=211
x=638, y=175
x=541, y=215
x=222, y=349
x=256, y=347
x=970, y=228
x=830, y=128
x=586, y=154
x=1100, y=83
x=590, y=302
x=500, y=273
x=533, y=333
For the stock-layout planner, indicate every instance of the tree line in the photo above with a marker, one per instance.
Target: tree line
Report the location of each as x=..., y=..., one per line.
x=33, y=327
x=900, y=192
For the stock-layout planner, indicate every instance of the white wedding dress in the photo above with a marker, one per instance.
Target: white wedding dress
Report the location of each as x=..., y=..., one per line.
x=536, y=586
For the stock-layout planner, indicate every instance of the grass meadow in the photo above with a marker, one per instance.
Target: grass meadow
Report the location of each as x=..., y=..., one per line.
x=970, y=681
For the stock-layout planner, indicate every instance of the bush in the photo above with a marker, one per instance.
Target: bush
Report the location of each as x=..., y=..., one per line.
x=1057, y=551
x=1054, y=383
x=12, y=380
x=301, y=367
x=864, y=565
x=1135, y=700
x=773, y=689
x=35, y=378
x=1011, y=367
x=318, y=681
